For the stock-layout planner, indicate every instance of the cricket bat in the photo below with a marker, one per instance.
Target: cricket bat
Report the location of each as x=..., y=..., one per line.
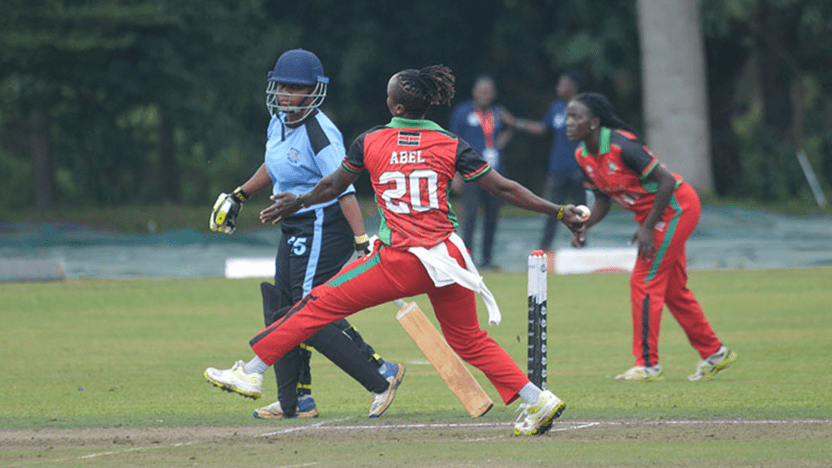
x=449, y=366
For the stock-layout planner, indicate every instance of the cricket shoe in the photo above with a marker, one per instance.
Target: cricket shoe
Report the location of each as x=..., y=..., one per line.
x=305, y=409
x=642, y=374
x=708, y=368
x=537, y=418
x=237, y=380
x=393, y=373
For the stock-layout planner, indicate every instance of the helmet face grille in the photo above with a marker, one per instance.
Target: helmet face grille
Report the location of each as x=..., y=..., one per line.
x=273, y=102
x=299, y=67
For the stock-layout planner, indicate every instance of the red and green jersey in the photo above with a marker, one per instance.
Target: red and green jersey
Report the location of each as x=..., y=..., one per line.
x=411, y=164
x=620, y=171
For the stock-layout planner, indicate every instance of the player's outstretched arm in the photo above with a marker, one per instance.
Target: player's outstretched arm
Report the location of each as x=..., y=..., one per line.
x=288, y=203
x=512, y=192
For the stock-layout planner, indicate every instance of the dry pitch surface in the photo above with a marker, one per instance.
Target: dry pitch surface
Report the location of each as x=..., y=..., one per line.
x=89, y=444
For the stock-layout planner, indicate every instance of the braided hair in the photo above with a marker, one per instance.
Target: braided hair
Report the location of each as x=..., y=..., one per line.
x=600, y=107
x=430, y=86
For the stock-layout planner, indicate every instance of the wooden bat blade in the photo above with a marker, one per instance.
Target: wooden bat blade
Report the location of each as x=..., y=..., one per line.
x=446, y=362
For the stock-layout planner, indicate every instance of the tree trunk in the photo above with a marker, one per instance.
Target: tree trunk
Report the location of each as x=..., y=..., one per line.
x=674, y=88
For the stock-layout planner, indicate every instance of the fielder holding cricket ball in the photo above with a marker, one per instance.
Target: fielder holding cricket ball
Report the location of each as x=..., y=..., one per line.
x=411, y=162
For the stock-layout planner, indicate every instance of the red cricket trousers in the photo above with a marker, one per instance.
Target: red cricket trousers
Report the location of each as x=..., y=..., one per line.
x=664, y=281
x=384, y=276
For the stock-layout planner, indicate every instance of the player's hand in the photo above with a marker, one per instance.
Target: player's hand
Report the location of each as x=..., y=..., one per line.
x=226, y=208
x=285, y=204
x=579, y=236
x=572, y=217
x=646, y=246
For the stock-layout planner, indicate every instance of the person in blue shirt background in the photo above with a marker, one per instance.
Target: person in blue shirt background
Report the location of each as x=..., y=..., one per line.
x=303, y=147
x=487, y=127
x=564, y=179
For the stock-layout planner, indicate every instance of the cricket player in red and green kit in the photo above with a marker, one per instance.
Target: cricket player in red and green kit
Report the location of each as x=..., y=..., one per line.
x=411, y=162
x=620, y=168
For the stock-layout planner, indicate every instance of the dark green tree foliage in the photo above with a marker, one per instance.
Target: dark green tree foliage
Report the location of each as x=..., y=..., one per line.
x=140, y=102
x=123, y=102
x=770, y=87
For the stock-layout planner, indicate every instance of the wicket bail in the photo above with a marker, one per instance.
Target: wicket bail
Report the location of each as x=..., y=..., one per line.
x=537, y=319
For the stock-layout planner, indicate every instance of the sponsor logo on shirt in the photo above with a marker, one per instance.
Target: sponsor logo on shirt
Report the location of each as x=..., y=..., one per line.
x=294, y=155
x=611, y=168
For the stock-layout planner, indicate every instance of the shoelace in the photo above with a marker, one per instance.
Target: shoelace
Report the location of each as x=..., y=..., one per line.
x=523, y=407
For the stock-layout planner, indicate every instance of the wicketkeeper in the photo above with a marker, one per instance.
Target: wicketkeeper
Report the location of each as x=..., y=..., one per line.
x=316, y=241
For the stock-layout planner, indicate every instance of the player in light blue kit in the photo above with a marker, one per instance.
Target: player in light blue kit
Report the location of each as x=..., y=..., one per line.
x=303, y=147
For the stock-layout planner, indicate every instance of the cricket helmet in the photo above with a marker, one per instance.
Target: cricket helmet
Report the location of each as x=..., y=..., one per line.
x=299, y=67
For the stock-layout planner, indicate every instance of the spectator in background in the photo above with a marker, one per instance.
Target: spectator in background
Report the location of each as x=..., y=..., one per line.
x=564, y=179
x=486, y=126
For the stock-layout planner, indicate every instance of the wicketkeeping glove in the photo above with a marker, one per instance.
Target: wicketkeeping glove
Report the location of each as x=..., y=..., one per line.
x=226, y=209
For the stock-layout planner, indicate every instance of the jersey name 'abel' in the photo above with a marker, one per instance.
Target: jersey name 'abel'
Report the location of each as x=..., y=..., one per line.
x=406, y=157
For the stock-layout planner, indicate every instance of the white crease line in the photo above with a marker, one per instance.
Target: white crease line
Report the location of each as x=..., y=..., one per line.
x=133, y=449
x=303, y=428
x=565, y=425
x=579, y=426
x=714, y=421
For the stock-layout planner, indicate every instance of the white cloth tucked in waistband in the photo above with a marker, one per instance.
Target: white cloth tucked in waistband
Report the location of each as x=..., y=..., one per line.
x=445, y=270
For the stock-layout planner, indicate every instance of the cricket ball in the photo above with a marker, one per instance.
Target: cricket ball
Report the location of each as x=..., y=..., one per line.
x=584, y=212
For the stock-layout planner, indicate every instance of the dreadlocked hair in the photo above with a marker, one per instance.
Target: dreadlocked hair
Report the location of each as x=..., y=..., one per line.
x=430, y=86
x=600, y=107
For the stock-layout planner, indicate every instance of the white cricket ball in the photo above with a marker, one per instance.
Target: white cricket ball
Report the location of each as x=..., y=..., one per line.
x=584, y=212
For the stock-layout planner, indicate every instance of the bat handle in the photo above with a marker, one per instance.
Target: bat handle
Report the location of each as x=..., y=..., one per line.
x=399, y=303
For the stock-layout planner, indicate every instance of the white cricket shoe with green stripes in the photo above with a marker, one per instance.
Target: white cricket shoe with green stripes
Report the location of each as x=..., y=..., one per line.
x=236, y=380
x=708, y=368
x=537, y=418
x=642, y=374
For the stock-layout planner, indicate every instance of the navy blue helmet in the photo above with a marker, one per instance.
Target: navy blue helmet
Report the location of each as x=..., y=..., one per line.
x=299, y=67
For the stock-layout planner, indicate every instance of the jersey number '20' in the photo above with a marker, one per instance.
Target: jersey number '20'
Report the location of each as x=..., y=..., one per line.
x=395, y=197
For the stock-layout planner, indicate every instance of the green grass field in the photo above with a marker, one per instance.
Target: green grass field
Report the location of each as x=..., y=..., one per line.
x=121, y=359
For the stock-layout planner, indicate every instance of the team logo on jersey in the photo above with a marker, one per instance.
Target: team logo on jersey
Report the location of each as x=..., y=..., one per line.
x=409, y=138
x=611, y=168
x=294, y=155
